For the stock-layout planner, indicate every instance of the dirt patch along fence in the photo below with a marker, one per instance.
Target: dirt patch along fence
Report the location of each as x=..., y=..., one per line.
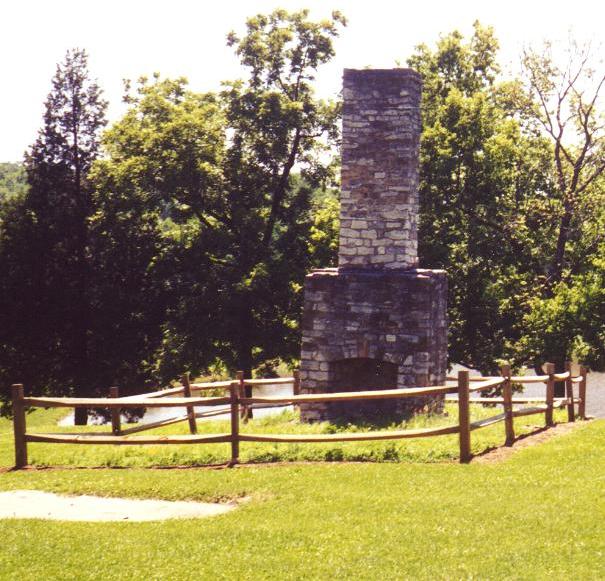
x=238, y=405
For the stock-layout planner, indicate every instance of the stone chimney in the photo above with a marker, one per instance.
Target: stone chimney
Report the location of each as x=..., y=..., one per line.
x=376, y=321
x=380, y=141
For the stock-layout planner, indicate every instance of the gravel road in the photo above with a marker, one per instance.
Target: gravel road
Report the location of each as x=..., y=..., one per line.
x=595, y=394
x=595, y=391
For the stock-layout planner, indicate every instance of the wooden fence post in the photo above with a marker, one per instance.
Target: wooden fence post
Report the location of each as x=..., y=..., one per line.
x=549, y=368
x=19, y=426
x=464, y=417
x=234, y=392
x=582, y=393
x=296, y=386
x=244, y=411
x=190, y=409
x=571, y=416
x=507, y=394
x=116, y=427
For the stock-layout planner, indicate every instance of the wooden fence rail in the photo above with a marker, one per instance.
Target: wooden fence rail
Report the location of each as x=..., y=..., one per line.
x=237, y=404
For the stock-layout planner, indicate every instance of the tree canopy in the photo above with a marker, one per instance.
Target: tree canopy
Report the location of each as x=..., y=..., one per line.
x=179, y=238
x=46, y=311
x=510, y=204
x=226, y=221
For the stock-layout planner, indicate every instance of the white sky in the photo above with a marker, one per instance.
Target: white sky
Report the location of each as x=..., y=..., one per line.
x=129, y=38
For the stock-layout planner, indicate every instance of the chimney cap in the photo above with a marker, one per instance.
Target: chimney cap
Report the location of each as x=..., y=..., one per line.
x=382, y=74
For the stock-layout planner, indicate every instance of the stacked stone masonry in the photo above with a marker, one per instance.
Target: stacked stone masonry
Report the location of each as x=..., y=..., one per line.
x=398, y=317
x=377, y=314
x=380, y=141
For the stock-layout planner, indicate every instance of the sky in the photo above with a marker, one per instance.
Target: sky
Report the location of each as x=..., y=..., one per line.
x=130, y=38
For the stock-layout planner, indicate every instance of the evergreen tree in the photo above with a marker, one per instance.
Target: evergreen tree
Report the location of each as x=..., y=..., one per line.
x=46, y=311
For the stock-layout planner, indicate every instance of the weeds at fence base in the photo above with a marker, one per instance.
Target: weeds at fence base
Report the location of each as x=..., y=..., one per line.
x=330, y=443
x=437, y=449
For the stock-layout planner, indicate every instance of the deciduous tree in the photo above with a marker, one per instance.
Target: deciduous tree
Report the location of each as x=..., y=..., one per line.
x=215, y=175
x=565, y=102
x=479, y=177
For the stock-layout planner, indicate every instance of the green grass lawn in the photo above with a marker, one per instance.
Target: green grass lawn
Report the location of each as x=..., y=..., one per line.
x=540, y=514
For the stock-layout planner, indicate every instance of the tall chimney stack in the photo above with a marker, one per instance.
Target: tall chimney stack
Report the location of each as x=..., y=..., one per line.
x=377, y=321
x=380, y=141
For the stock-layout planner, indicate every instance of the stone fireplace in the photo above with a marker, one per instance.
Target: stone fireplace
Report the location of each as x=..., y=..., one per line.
x=377, y=321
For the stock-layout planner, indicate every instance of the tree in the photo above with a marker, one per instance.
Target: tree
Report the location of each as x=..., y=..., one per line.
x=563, y=101
x=511, y=200
x=570, y=322
x=277, y=123
x=212, y=176
x=46, y=312
x=481, y=179
x=323, y=235
x=156, y=191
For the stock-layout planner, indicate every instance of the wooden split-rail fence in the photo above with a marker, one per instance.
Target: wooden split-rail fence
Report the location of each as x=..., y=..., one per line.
x=238, y=405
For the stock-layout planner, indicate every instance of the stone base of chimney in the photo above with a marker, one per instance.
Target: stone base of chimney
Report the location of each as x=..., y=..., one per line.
x=373, y=329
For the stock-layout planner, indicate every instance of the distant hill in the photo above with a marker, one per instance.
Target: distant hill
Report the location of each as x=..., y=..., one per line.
x=12, y=180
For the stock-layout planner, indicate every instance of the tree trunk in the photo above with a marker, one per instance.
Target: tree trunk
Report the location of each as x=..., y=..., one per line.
x=244, y=349
x=82, y=372
x=556, y=273
x=560, y=385
x=559, y=368
x=80, y=416
x=245, y=365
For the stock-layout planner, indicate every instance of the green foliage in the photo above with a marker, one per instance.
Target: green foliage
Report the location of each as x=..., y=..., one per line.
x=13, y=182
x=323, y=238
x=45, y=310
x=494, y=206
x=565, y=316
x=187, y=242
x=226, y=220
x=276, y=122
x=563, y=101
x=13, y=186
x=154, y=193
x=480, y=175
x=569, y=323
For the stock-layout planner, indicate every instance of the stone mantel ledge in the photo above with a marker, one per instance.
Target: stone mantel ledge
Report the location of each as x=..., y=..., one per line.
x=377, y=272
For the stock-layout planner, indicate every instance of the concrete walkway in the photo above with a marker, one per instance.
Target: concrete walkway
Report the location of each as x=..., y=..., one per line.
x=47, y=505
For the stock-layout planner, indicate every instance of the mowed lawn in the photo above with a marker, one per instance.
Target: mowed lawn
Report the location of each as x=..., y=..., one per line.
x=538, y=515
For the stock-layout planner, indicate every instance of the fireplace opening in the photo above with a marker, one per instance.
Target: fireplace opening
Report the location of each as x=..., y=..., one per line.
x=362, y=374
